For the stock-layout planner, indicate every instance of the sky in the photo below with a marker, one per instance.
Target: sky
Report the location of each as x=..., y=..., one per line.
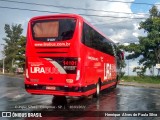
x=119, y=21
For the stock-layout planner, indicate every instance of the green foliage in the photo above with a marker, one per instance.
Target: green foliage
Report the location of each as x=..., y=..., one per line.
x=13, y=34
x=20, y=56
x=122, y=65
x=140, y=70
x=149, y=46
x=142, y=79
x=1, y=63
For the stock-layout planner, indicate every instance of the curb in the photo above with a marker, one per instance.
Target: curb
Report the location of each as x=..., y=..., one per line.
x=146, y=85
x=13, y=76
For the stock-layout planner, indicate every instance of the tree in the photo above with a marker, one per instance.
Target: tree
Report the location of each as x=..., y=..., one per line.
x=149, y=46
x=120, y=62
x=20, y=57
x=13, y=34
x=1, y=63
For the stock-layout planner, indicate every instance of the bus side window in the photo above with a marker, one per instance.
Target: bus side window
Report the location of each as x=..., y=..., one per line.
x=86, y=35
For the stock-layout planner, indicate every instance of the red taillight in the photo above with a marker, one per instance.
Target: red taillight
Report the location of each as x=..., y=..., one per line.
x=78, y=75
x=78, y=69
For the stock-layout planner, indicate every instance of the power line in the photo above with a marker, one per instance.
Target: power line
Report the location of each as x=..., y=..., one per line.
x=129, y=2
x=25, y=9
x=12, y=1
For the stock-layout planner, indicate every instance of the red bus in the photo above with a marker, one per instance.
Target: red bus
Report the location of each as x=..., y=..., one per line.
x=67, y=56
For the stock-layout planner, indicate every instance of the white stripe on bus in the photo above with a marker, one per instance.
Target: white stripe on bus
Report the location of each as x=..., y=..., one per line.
x=57, y=65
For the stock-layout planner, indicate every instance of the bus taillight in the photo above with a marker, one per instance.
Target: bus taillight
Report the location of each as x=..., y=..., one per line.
x=78, y=70
x=78, y=75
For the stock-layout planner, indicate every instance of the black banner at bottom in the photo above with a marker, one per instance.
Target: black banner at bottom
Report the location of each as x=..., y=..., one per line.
x=22, y=114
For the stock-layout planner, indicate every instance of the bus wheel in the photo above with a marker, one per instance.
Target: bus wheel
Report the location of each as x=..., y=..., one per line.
x=98, y=88
x=116, y=83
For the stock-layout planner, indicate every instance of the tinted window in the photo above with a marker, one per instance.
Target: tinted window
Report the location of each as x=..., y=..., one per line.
x=53, y=30
x=86, y=37
x=95, y=40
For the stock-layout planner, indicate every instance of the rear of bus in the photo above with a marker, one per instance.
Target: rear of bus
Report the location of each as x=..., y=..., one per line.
x=52, y=55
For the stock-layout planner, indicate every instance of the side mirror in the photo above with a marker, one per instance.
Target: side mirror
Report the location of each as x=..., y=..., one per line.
x=121, y=55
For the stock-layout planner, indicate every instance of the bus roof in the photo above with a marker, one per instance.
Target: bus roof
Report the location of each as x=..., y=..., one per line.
x=57, y=15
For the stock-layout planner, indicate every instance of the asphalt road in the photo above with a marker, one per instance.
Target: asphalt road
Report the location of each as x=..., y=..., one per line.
x=13, y=97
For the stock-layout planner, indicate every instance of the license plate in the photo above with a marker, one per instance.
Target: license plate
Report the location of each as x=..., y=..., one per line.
x=50, y=88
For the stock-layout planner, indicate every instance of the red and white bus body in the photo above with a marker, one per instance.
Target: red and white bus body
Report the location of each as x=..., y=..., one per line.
x=65, y=67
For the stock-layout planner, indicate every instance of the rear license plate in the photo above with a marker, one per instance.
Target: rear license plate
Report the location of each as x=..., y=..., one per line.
x=50, y=88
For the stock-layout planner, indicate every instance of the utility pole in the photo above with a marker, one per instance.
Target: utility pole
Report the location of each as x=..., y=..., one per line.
x=128, y=67
x=3, y=65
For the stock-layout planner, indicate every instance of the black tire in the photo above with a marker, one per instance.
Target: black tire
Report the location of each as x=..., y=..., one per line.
x=98, y=88
x=116, y=83
x=59, y=100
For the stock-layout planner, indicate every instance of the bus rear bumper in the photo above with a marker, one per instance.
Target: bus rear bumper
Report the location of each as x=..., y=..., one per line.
x=63, y=91
x=75, y=91
x=45, y=92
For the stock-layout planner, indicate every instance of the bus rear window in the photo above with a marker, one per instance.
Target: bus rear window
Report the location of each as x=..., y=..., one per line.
x=53, y=30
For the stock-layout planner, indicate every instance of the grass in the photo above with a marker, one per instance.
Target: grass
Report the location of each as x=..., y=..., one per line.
x=142, y=79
